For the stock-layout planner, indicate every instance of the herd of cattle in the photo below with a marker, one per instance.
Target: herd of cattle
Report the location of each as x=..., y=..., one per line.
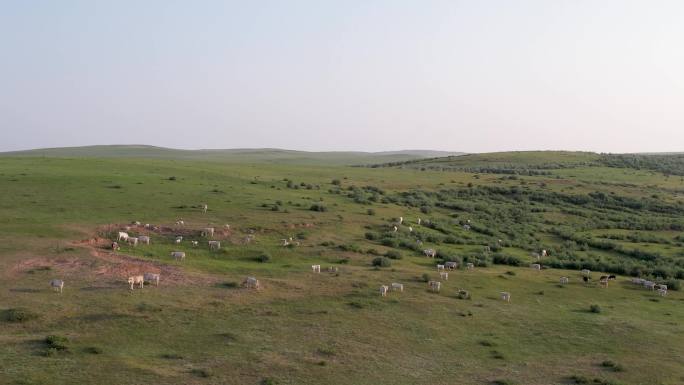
x=253, y=283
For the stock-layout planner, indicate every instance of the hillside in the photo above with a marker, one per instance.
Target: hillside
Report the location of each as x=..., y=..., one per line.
x=230, y=155
x=275, y=221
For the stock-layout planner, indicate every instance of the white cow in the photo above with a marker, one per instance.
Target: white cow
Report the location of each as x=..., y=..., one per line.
x=451, y=265
x=195, y=243
x=316, y=268
x=506, y=296
x=586, y=272
x=57, y=284
x=536, y=266
x=543, y=253
x=419, y=220
x=440, y=267
x=251, y=283
x=284, y=242
x=122, y=236
x=662, y=292
x=434, y=286
x=205, y=207
x=132, y=241
x=333, y=269
x=208, y=232
x=410, y=229
x=178, y=255
x=152, y=277
x=115, y=246
x=179, y=239
x=564, y=280
x=383, y=290
x=444, y=275
x=470, y=266
x=401, y=220
x=180, y=222
x=395, y=229
x=136, y=280
x=144, y=239
x=397, y=287
x=649, y=285
x=430, y=253
x=214, y=245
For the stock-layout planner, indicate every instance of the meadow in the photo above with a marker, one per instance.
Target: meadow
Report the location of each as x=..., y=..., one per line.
x=199, y=326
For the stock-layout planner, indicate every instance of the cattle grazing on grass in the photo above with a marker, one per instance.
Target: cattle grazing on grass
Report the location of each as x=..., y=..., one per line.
x=444, y=275
x=535, y=266
x=205, y=207
x=564, y=280
x=57, y=284
x=505, y=296
x=440, y=267
x=431, y=253
x=122, y=236
x=180, y=222
x=410, y=229
x=195, y=243
x=383, y=290
x=662, y=291
x=397, y=287
x=251, y=283
x=419, y=220
x=586, y=272
x=136, y=280
x=451, y=265
x=316, y=268
x=543, y=253
x=401, y=220
x=612, y=277
x=178, y=255
x=208, y=232
x=649, y=285
x=144, y=239
x=434, y=286
x=395, y=228
x=470, y=266
x=132, y=241
x=179, y=239
x=214, y=245
x=333, y=269
x=603, y=281
x=152, y=277
x=586, y=279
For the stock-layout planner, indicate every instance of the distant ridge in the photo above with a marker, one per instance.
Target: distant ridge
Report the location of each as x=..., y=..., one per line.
x=246, y=155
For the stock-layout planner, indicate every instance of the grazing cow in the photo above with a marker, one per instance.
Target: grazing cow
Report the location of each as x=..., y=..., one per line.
x=208, y=232
x=180, y=222
x=487, y=249
x=603, y=281
x=284, y=242
x=410, y=229
x=506, y=296
x=444, y=275
x=470, y=266
x=662, y=292
x=638, y=281
x=132, y=241
x=316, y=268
x=136, y=280
x=434, y=286
x=564, y=280
x=649, y=285
x=144, y=239
x=152, y=277
x=137, y=223
x=251, y=283
x=333, y=269
x=179, y=239
x=122, y=236
x=178, y=255
x=401, y=220
x=440, y=267
x=115, y=246
x=248, y=239
x=395, y=228
x=543, y=253
x=419, y=221
x=397, y=287
x=612, y=277
x=383, y=290
x=205, y=208
x=147, y=225
x=536, y=266
x=430, y=253
x=57, y=284
x=195, y=243
x=214, y=245
x=586, y=272
x=451, y=265
x=466, y=227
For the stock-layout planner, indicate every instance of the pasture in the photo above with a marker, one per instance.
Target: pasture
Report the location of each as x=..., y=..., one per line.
x=199, y=326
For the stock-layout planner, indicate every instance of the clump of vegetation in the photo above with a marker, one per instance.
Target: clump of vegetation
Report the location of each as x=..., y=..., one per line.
x=393, y=254
x=497, y=355
x=612, y=365
x=370, y=212
x=19, y=315
x=93, y=350
x=264, y=257
x=425, y=277
x=172, y=178
x=268, y=381
x=204, y=373
x=57, y=342
x=171, y=356
x=487, y=343
x=504, y=382
x=381, y=262
x=595, y=308
x=318, y=207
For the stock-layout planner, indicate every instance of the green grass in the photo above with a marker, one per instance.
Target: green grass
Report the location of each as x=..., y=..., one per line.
x=199, y=326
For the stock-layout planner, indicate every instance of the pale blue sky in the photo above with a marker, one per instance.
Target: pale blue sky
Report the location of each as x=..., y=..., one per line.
x=344, y=75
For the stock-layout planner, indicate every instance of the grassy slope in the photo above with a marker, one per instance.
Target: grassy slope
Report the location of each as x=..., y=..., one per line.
x=231, y=155
x=300, y=329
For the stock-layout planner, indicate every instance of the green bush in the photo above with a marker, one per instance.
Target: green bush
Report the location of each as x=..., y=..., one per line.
x=19, y=315
x=264, y=258
x=318, y=207
x=57, y=342
x=382, y=262
x=393, y=254
x=425, y=277
x=595, y=308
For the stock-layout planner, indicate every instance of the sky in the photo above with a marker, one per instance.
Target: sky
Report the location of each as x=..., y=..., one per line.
x=318, y=75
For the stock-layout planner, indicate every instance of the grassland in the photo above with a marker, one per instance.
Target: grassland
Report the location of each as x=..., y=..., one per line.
x=200, y=327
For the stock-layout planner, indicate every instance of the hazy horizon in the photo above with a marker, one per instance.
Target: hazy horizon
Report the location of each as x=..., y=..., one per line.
x=344, y=76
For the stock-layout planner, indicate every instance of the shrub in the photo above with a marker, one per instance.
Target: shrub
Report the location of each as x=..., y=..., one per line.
x=201, y=373
x=510, y=273
x=318, y=207
x=19, y=315
x=425, y=277
x=503, y=382
x=336, y=182
x=370, y=212
x=172, y=178
x=371, y=236
x=614, y=366
x=268, y=381
x=595, y=308
x=57, y=342
x=393, y=254
x=264, y=258
x=382, y=262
